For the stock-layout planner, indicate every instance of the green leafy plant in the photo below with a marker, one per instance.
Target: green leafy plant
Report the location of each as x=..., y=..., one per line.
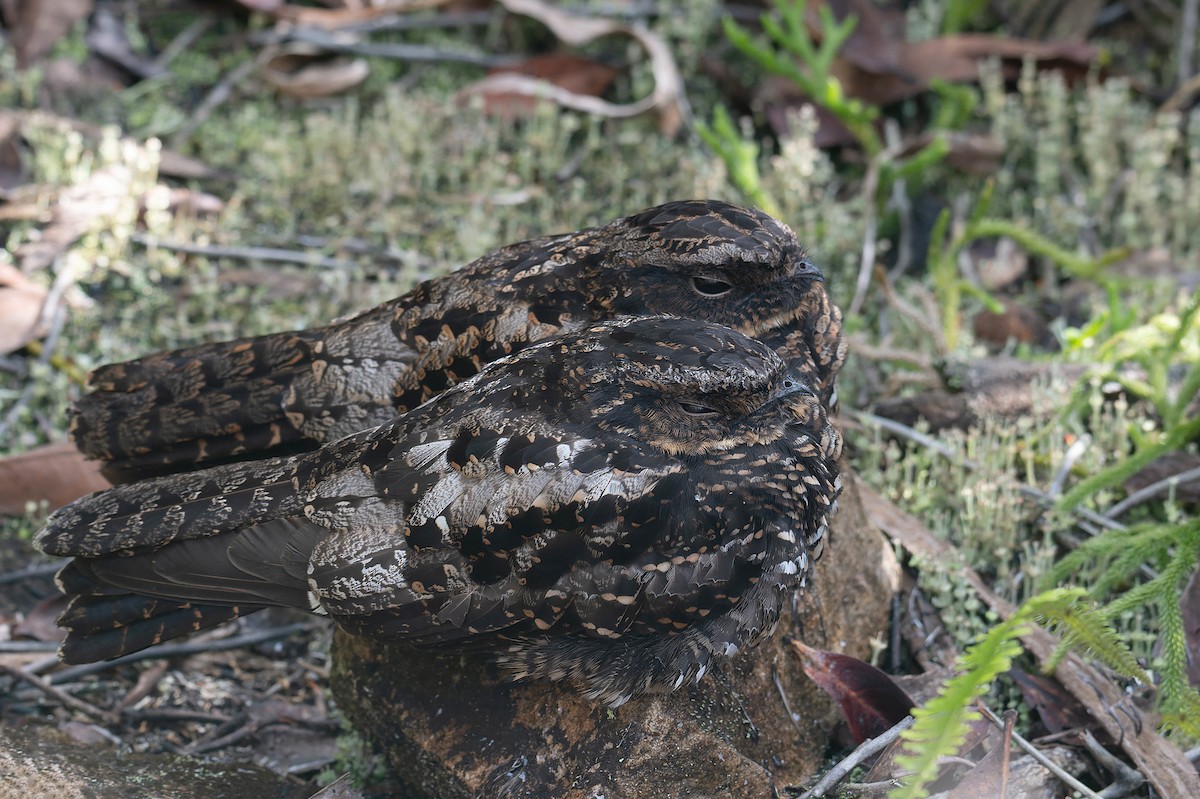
x=941, y=724
x=740, y=157
x=949, y=287
x=794, y=54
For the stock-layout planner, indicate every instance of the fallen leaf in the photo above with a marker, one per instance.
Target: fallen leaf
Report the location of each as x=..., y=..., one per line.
x=990, y=775
x=1017, y=322
x=576, y=31
x=301, y=70
x=957, y=59
x=877, y=42
x=55, y=473
x=1055, y=706
x=969, y=153
x=36, y=25
x=41, y=621
x=21, y=303
x=575, y=74
x=78, y=208
x=869, y=700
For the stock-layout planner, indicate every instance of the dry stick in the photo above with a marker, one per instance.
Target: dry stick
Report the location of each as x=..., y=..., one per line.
x=851, y=761
x=1152, y=490
x=1187, y=38
x=214, y=100
x=59, y=695
x=1036, y=754
x=54, y=312
x=1161, y=761
x=1125, y=779
x=243, y=253
x=175, y=650
x=40, y=570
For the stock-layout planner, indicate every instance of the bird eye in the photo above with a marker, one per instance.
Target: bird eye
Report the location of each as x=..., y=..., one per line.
x=711, y=286
x=697, y=411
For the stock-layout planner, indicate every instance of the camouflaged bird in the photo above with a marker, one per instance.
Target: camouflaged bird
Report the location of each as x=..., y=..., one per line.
x=613, y=507
x=289, y=392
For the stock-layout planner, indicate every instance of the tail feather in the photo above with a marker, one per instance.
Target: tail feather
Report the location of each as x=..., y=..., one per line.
x=153, y=513
x=125, y=603
x=197, y=406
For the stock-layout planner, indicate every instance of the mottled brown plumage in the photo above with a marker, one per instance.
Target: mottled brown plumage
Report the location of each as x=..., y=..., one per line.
x=613, y=507
x=289, y=392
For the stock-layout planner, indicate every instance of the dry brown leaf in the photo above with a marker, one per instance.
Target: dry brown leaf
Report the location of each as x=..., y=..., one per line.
x=35, y=25
x=21, y=303
x=870, y=701
x=301, y=70
x=573, y=30
x=77, y=209
x=56, y=473
x=571, y=72
x=878, y=38
x=957, y=59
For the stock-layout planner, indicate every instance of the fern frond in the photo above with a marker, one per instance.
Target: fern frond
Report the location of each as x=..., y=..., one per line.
x=941, y=724
x=1087, y=630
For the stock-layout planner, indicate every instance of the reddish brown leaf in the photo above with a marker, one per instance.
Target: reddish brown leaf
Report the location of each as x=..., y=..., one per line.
x=665, y=101
x=869, y=700
x=878, y=38
x=20, y=309
x=957, y=59
x=56, y=473
x=576, y=74
x=1017, y=322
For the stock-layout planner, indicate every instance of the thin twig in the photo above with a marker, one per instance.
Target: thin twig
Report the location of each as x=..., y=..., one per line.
x=1033, y=752
x=1070, y=457
x=216, y=97
x=183, y=41
x=1125, y=779
x=175, y=714
x=33, y=572
x=16, y=647
x=1152, y=490
x=179, y=649
x=244, y=253
x=58, y=694
x=1187, y=39
x=419, y=53
x=851, y=761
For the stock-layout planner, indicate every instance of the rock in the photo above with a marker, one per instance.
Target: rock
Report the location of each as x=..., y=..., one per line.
x=37, y=762
x=449, y=727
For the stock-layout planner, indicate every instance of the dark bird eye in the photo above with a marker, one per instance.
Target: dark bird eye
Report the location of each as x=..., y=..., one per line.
x=697, y=411
x=711, y=286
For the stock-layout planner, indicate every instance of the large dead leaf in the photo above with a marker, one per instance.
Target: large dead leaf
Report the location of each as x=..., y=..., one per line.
x=576, y=31
x=55, y=473
x=35, y=25
x=99, y=196
x=957, y=59
x=302, y=70
x=871, y=703
x=575, y=74
x=21, y=303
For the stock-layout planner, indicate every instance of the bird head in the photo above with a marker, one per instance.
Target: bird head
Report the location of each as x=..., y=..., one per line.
x=710, y=260
x=689, y=389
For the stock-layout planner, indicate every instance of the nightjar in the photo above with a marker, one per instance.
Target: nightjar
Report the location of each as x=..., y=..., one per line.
x=290, y=392
x=613, y=507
